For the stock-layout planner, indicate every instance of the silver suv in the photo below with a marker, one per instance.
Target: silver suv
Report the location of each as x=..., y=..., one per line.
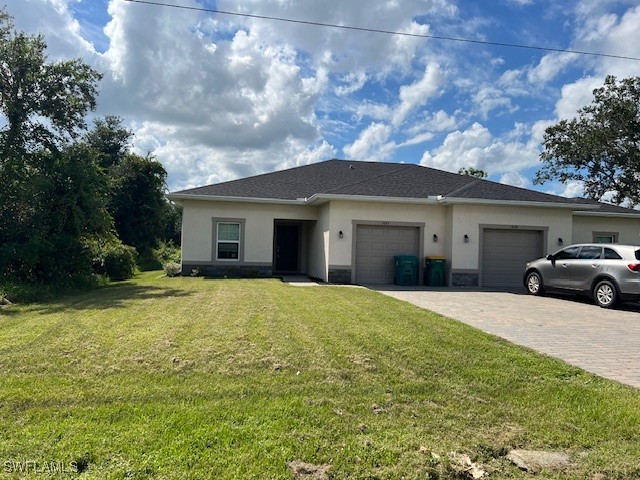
x=608, y=273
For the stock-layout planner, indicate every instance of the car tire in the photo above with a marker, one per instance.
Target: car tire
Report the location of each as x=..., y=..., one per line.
x=605, y=294
x=534, y=284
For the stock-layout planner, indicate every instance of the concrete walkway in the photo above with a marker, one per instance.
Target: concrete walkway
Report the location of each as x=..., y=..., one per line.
x=604, y=342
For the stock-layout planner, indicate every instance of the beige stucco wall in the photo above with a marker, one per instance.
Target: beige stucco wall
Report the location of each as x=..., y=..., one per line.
x=344, y=213
x=197, y=227
x=324, y=248
x=468, y=219
x=627, y=229
x=318, y=252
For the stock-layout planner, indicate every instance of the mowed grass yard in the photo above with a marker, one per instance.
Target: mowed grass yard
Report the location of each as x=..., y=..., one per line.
x=197, y=378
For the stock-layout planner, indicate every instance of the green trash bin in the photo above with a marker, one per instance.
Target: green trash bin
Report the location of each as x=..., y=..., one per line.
x=434, y=271
x=406, y=270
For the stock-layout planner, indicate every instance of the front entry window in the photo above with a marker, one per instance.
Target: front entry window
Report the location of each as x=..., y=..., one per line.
x=605, y=237
x=228, y=241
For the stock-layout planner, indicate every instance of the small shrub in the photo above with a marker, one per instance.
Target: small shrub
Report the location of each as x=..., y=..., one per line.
x=167, y=252
x=27, y=292
x=156, y=258
x=171, y=269
x=120, y=262
x=198, y=272
x=147, y=262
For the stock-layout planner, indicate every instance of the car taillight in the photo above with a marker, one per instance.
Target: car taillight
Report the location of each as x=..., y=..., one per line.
x=634, y=267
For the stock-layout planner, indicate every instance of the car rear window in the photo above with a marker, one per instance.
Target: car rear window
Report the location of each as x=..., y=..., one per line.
x=611, y=254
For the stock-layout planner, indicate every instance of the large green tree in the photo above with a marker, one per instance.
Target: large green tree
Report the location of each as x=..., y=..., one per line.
x=43, y=103
x=53, y=196
x=142, y=215
x=110, y=140
x=601, y=147
x=137, y=201
x=49, y=212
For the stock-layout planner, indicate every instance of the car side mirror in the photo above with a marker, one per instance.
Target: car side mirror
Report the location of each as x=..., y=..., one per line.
x=550, y=257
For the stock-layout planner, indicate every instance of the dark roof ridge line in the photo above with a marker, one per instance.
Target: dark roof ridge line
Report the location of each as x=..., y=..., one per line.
x=466, y=186
x=369, y=178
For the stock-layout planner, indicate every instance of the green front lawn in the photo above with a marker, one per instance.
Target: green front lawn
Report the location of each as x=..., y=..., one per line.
x=195, y=378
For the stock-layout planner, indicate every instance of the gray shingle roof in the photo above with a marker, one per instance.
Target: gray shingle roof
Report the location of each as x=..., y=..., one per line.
x=606, y=207
x=344, y=177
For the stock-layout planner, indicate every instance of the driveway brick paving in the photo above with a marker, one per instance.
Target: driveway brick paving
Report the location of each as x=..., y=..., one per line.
x=604, y=342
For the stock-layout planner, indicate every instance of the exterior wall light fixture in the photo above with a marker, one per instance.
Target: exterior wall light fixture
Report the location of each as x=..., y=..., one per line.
x=435, y=238
x=560, y=241
x=466, y=238
x=340, y=234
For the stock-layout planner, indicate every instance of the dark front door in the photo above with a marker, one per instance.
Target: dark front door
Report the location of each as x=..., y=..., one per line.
x=287, y=248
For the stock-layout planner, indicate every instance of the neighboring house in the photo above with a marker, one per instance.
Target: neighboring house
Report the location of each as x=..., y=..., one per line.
x=343, y=221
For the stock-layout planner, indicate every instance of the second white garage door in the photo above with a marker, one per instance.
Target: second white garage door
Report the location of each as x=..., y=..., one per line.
x=505, y=254
x=375, y=248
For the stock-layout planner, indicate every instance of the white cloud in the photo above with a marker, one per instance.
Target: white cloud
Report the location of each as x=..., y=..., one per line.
x=350, y=51
x=229, y=100
x=538, y=129
x=477, y=148
x=550, y=66
x=427, y=129
x=418, y=93
x=619, y=35
x=489, y=98
x=352, y=82
x=516, y=179
x=372, y=143
x=55, y=21
x=191, y=165
x=220, y=97
x=375, y=111
x=575, y=96
x=606, y=33
x=572, y=189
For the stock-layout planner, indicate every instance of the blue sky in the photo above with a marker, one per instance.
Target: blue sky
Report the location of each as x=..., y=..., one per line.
x=217, y=97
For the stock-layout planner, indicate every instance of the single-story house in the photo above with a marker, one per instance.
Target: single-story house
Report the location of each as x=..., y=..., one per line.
x=343, y=222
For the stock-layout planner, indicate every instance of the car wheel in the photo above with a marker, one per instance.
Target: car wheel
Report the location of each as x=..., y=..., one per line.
x=534, y=284
x=605, y=294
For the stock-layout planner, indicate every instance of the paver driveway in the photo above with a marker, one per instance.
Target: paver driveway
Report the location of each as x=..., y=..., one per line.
x=605, y=342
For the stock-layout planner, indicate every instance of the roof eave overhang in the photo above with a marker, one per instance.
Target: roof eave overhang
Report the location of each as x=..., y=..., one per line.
x=321, y=198
x=179, y=198
x=608, y=214
x=513, y=203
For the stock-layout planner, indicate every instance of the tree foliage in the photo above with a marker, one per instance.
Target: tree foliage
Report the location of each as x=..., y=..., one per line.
x=137, y=201
x=52, y=195
x=601, y=147
x=48, y=210
x=42, y=103
x=141, y=214
x=68, y=196
x=109, y=139
x=473, y=172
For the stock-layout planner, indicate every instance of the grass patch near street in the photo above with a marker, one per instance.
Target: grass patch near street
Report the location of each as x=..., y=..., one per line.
x=196, y=378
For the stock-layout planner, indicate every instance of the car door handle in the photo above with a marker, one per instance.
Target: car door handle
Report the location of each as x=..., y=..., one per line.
x=565, y=265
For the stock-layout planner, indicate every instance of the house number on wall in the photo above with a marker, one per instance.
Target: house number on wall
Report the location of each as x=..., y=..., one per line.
x=385, y=223
x=514, y=227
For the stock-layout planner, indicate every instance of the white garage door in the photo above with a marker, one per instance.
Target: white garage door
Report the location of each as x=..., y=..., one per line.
x=505, y=254
x=375, y=248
